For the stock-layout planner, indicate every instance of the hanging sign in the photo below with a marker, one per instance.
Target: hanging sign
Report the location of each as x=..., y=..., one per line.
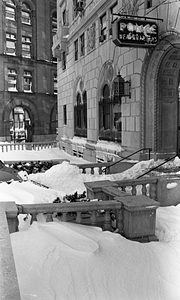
x=130, y=32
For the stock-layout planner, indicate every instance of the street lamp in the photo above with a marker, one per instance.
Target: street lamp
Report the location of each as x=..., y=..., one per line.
x=121, y=87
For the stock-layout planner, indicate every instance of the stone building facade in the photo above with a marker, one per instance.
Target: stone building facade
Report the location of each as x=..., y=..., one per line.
x=28, y=81
x=88, y=65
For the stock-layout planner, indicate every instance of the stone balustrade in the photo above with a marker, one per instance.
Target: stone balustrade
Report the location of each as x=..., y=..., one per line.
x=89, y=213
x=143, y=186
x=27, y=146
x=93, y=167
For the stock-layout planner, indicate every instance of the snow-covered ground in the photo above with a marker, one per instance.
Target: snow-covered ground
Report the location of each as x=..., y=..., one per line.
x=63, y=261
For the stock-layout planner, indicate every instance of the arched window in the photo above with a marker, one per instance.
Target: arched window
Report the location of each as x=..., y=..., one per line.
x=80, y=115
x=109, y=117
x=10, y=10
x=26, y=14
x=20, y=125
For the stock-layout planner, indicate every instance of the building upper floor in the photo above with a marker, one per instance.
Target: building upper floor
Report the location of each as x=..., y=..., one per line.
x=27, y=28
x=79, y=20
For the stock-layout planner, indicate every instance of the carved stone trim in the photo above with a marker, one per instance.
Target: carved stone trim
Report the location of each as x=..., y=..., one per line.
x=149, y=90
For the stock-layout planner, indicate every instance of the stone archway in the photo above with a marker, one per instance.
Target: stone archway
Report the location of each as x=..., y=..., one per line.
x=160, y=97
x=26, y=106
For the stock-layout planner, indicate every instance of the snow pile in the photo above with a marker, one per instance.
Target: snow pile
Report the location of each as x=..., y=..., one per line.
x=68, y=178
x=65, y=261
x=70, y=261
x=168, y=223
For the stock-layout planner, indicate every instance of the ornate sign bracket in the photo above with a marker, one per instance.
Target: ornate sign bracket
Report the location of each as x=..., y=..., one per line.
x=138, y=17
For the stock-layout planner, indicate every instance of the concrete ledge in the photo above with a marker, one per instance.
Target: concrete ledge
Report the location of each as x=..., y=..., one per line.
x=9, y=287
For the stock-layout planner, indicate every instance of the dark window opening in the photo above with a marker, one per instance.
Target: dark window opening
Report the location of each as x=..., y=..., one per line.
x=64, y=114
x=82, y=45
x=76, y=50
x=64, y=60
x=149, y=4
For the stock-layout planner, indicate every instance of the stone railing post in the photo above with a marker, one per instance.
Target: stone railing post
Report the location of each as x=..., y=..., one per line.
x=9, y=288
x=94, y=189
x=11, y=211
x=139, y=217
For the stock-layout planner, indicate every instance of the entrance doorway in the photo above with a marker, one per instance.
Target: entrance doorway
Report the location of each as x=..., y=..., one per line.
x=20, y=125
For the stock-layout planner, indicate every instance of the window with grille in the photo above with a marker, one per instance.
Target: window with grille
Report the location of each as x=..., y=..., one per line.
x=80, y=115
x=76, y=50
x=26, y=14
x=82, y=45
x=10, y=10
x=109, y=117
x=12, y=80
x=26, y=46
x=10, y=43
x=27, y=81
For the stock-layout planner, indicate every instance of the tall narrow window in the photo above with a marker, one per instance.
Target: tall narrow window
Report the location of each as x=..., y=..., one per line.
x=80, y=115
x=54, y=120
x=103, y=28
x=54, y=23
x=10, y=10
x=26, y=14
x=12, y=80
x=85, y=111
x=148, y=4
x=63, y=60
x=76, y=50
x=27, y=82
x=82, y=45
x=54, y=31
x=113, y=10
x=65, y=21
x=74, y=7
x=26, y=46
x=64, y=114
x=10, y=43
x=55, y=83
x=109, y=117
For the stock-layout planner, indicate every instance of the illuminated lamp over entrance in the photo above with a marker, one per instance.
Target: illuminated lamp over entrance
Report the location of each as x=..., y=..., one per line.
x=131, y=32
